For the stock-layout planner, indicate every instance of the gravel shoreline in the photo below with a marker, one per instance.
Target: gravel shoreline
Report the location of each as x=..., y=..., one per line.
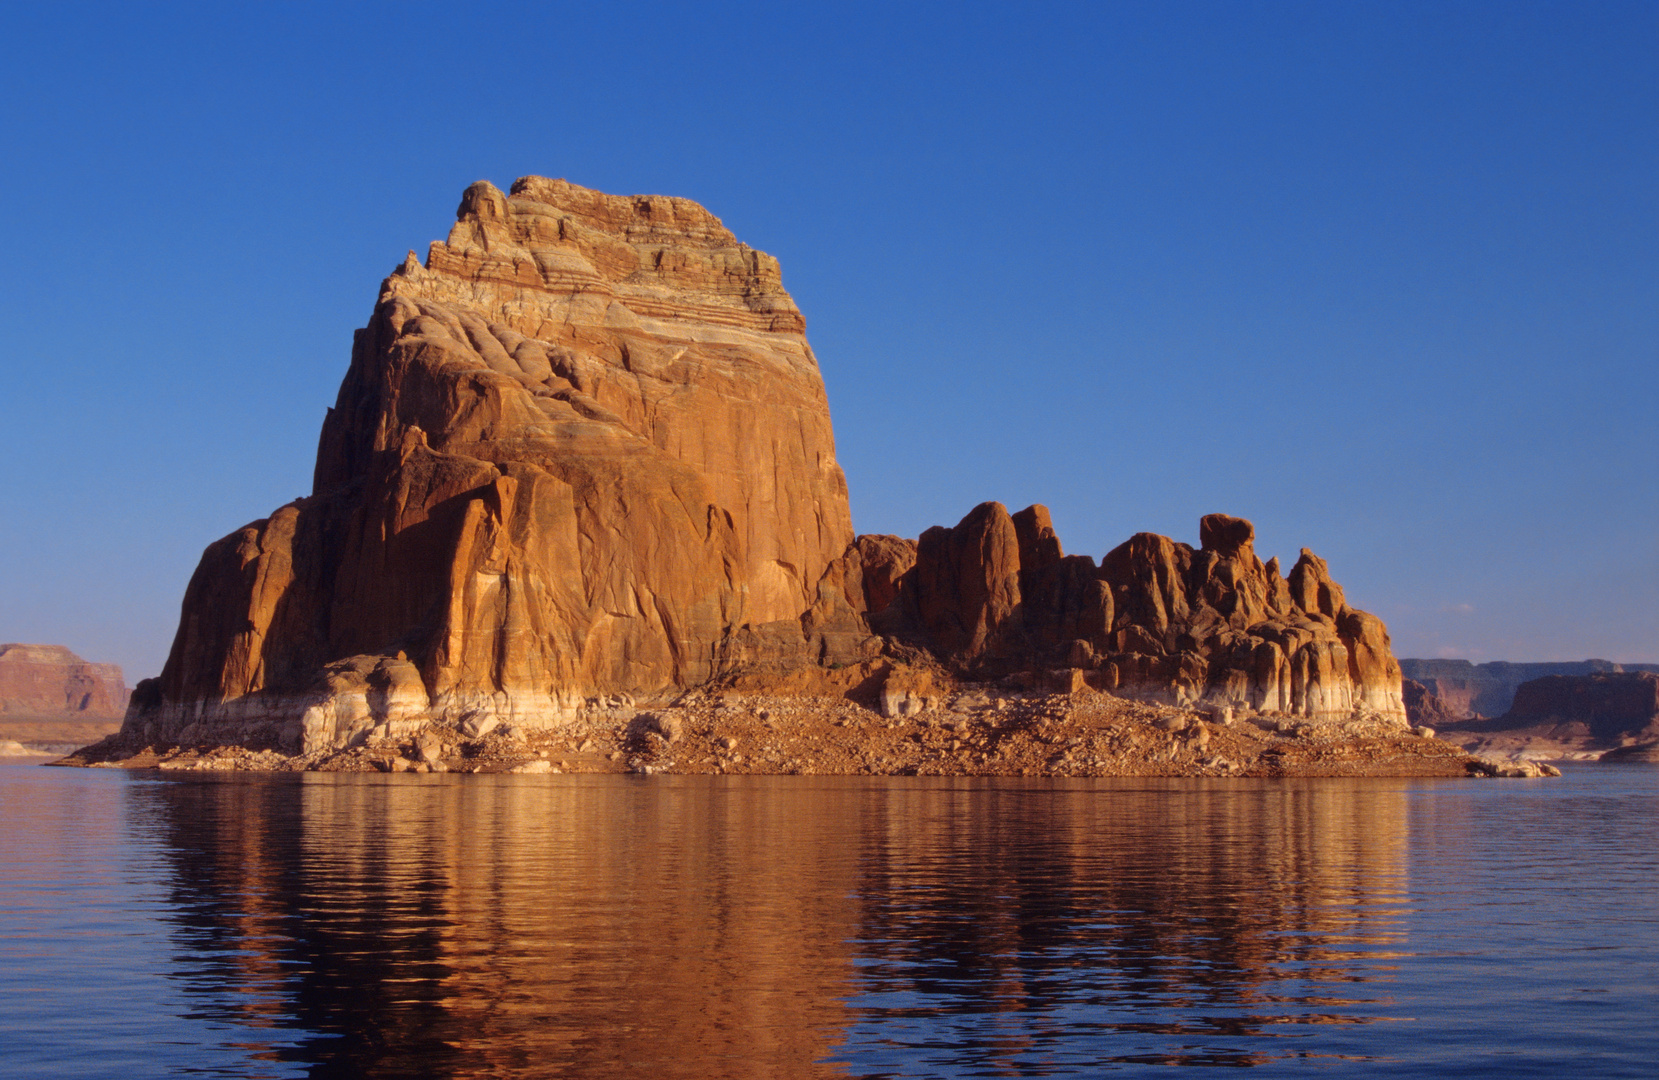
x=975, y=731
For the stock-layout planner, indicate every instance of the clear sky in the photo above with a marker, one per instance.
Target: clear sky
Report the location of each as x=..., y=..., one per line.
x=1381, y=277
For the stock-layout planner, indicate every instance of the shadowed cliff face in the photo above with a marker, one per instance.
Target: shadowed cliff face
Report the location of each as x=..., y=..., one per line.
x=1158, y=619
x=1612, y=705
x=1488, y=690
x=584, y=450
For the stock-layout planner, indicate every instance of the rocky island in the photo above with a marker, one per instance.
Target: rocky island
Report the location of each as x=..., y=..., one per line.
x=577, y=508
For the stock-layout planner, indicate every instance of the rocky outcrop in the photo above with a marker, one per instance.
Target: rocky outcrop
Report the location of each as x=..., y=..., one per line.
x=49, y=681
x=582, y=453
x=1471, y=690
x=582, y=461
x=996, y=594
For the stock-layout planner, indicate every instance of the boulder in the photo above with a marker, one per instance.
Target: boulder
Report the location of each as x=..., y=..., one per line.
x=1512, y=769
x=664, y=726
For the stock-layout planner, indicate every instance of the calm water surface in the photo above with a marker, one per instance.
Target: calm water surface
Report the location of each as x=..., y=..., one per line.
x=315, y=925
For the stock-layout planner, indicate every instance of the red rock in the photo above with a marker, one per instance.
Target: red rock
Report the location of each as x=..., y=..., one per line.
x=1156, y=619
x=1039, y=544
x=964, y=589
x=884, y=560
x=584, y=450
x=584, y=453
x=39, y=681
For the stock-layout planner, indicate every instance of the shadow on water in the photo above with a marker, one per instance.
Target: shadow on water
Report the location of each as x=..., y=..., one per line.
x=602, y=926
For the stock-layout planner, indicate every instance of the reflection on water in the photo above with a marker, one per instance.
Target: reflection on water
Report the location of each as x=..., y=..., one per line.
x=1160, y=922
x=589, y=926
x=730, y=927
x=603, y=926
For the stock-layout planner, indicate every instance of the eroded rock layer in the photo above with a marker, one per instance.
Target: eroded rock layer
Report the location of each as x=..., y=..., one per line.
x=996, y=594
x=583, y=451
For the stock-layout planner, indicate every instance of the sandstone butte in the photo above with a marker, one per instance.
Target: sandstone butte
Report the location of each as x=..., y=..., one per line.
x=582, y=465
x=50, y=682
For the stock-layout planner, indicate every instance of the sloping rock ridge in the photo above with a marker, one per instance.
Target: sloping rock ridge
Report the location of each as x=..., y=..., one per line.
x=50, y=681
x=582, y=461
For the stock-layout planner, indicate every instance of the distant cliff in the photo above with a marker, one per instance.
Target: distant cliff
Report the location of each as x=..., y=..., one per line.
x=1612, y=715
x=1466, y=689
x=1614, y=706
x=50, y=682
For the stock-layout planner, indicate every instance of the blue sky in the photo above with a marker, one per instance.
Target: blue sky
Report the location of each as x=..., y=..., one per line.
x=1383, y=278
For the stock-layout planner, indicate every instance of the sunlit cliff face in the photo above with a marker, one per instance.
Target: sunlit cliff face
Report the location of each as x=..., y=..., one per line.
x=584, y=449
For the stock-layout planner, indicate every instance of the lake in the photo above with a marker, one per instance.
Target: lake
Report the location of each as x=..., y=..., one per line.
x=603, y=926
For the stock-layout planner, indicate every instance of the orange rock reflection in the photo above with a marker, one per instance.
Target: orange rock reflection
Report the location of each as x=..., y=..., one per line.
x=763, y=926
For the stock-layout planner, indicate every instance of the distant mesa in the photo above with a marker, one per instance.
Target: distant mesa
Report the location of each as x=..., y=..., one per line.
x=1465, y=690
x=50, y=682
x=583, y=454
x=1610, y=705
x=52, y=700
x=1606, y=713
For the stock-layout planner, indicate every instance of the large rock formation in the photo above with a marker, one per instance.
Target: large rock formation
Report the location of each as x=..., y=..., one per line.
x=50, y=682
x=996, y=594
x=582, y=459
x=584, y=450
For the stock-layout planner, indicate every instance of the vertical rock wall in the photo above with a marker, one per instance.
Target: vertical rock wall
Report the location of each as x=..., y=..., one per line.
x=583, y=450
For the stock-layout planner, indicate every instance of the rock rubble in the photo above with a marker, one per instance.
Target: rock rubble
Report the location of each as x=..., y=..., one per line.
x=959, y=729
